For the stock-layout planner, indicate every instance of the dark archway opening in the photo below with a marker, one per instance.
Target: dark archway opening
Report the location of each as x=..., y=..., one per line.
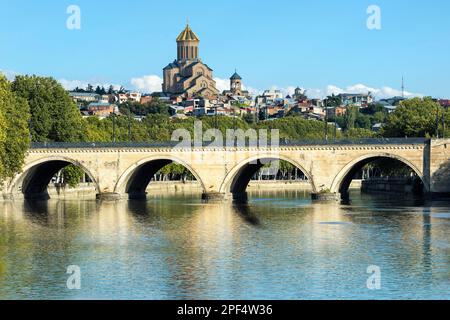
x=384, y=176
x=163, y=170
x=57, y=174
x=271, y=172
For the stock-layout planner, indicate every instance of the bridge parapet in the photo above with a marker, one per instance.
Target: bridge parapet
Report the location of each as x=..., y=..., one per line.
x=174, y=144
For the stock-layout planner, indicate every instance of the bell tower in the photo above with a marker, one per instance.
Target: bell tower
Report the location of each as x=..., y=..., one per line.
x=236, y=84
x=187, y=45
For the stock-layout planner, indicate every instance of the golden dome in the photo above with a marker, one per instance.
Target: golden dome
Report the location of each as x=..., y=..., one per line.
x=187, y=35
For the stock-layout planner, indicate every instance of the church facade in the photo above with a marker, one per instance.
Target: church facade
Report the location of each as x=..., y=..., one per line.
x=188, y=76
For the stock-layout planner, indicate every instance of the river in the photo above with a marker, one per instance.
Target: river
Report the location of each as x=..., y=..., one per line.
x=278, y=246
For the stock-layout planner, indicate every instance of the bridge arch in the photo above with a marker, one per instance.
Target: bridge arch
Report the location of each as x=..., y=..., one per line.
x=35, y=176
x=343, y=179
x=135, y=179
x=237, y=180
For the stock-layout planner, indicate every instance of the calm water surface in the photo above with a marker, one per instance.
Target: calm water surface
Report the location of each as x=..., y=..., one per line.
x=278, y=246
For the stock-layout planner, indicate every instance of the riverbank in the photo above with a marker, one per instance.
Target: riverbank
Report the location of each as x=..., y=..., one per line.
x=87, y=190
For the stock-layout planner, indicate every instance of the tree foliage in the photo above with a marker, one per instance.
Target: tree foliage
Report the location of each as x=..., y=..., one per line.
x=54, y=115
x=413, y=118
x=14, y=133
x=72, y=175
x=297, y=128
x=155, y=106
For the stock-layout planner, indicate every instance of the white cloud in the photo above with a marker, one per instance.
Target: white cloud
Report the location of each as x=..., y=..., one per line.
x=289, y=90
x=152, y=83
x=222, y=84
x=82, y=84
x=147, y=84
x=10, y=75
x=72, y=84
x=379, y=93
x=252, y=91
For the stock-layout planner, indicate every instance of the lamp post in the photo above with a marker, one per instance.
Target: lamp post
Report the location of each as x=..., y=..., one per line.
x=335, y=123
x=326, y=120
x=114, y=125
x=129, y=123
x=443, y=123
x=215, y=117
x=234, y=118
x=437, y=123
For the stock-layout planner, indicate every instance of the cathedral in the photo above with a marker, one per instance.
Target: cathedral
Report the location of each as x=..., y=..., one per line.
x=188, y=76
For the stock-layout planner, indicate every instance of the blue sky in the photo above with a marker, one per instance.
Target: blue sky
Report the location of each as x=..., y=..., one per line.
x=321, y=45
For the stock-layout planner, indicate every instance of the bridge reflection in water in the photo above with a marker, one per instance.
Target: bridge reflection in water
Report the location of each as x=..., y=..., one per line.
x=280, y=246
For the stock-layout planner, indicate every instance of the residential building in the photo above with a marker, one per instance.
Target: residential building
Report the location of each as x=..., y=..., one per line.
x=146, y=99
x=394, y=101
x=444, y=102
x=121, y=98
x=101, y=109
x=356, y=99
x=336, y=111
x=84, y=97
x=134, y=96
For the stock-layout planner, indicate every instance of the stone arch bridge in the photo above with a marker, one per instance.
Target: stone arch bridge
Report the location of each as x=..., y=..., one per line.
x=125, y=170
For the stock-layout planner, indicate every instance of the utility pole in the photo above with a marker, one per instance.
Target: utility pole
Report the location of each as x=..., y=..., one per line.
x=114, y=125
x=129, y=124
x=443, y=124
x=403, y=87
x=335, y=123
x=215, y=118
x=326, y=120
x=437, y=123
x=234, y=118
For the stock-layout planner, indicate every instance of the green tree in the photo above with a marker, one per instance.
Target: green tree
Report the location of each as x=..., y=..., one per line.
x=156, y=106
x=363, y=121
x=249, y=118
x=333, y=101
x=297, y=128
x=379, y=117
x=54, y=115
x=350, y=117
x=360, y=133
x=72, y=175
x=413, y=118
x=373, y=108
x=14, y=133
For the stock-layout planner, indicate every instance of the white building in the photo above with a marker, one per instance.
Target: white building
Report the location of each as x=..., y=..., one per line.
x=134, y=96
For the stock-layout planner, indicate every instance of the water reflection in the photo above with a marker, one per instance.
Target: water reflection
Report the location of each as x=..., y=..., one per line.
x=277, y=246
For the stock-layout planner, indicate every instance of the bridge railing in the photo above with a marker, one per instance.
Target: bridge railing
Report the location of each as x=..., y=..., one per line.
x=174, y=144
